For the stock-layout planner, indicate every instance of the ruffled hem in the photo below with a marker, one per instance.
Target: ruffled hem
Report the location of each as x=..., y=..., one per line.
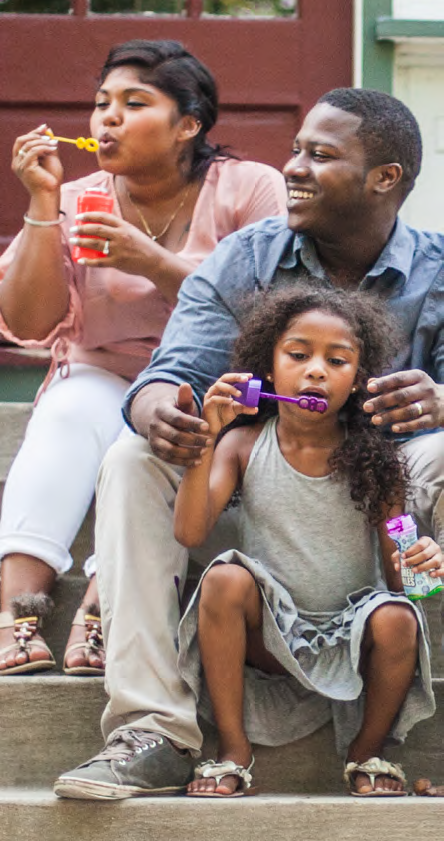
x=320, y=652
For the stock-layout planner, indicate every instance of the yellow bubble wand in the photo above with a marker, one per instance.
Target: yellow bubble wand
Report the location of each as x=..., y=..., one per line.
x=90, y=144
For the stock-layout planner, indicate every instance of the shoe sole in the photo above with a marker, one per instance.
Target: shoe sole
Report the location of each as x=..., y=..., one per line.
x=78, y=789
x=28, y=668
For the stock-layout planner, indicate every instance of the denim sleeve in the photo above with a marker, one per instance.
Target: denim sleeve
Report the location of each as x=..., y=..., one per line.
x=198, y=341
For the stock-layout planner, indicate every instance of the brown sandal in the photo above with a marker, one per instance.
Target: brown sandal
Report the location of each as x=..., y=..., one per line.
x=26, y=618
x=90, y=620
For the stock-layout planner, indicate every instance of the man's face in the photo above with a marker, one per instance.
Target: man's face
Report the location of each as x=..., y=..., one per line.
x=327, y=175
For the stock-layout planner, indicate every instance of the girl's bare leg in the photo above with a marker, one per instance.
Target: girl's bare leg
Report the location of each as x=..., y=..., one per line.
x=85, y=657
x=22, y=574
x=230, y=634
x=389, y=657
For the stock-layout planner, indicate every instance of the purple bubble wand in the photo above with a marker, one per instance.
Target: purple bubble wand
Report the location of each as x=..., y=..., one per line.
x=251, y=393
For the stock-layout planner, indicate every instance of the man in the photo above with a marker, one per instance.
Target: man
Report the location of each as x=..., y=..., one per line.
x=354, y=162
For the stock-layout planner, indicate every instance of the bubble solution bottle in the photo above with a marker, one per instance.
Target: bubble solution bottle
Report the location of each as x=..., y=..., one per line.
x=94, y=199
x=417, y=585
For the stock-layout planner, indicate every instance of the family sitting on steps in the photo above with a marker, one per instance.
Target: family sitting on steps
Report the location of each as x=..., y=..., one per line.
x=300, y=615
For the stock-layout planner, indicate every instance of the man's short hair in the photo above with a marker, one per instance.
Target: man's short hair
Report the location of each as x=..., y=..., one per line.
x=388, y=132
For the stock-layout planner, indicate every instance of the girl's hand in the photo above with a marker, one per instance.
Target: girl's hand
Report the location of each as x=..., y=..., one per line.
x=424, y=556
x=36, y=163
x=220, y=406
x=127, y=245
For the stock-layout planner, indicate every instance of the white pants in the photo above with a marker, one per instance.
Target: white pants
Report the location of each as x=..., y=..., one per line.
x=141, y=567
x=51, y=483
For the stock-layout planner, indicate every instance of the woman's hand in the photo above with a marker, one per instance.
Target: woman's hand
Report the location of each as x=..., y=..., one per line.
x=407, y=400
x=423, y=556
x=36, y=163
x=127, y=245
x=220, y=406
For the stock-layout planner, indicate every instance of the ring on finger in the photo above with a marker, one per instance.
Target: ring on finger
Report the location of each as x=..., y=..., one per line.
x=22, y=153
x=419, y=408
x=106, y=248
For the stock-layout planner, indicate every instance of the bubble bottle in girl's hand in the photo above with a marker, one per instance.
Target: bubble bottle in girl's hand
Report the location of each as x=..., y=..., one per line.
x=417, y=585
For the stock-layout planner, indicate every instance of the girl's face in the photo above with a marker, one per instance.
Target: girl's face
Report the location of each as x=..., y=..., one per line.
x=138, y=127
x=317, y=354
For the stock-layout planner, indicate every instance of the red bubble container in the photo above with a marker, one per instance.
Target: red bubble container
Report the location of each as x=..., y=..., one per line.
x=94, y=199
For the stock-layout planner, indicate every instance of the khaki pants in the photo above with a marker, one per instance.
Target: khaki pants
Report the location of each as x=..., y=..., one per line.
x=141, y=568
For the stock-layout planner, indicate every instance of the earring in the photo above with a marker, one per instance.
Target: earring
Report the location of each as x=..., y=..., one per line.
x=354, y=389
x=269, y=378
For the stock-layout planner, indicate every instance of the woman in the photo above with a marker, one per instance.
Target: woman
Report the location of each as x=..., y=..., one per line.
x=175, y=196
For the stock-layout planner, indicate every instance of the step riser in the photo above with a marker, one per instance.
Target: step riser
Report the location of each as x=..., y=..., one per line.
x=249, y=819
x=50, y=725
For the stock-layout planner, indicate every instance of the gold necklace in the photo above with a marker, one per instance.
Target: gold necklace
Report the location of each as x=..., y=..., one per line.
x=148, y=230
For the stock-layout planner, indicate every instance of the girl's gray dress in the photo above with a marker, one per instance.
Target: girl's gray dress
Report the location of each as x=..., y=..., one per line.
x=316, y=562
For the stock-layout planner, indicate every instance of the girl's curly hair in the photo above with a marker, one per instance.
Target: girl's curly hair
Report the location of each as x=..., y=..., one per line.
x=376, y=473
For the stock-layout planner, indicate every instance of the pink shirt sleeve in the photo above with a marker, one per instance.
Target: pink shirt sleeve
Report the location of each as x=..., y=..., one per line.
x=235, y=194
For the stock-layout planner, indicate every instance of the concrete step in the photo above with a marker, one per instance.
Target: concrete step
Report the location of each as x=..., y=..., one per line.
x=51, y=724
x=29, y=814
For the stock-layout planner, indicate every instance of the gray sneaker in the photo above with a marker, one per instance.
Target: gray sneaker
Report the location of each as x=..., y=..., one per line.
x=134, y=763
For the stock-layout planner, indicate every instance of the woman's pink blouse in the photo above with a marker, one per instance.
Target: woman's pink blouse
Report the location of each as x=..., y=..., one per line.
x=115, y=320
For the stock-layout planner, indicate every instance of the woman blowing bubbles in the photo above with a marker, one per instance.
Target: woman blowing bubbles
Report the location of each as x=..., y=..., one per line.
x=175, y=196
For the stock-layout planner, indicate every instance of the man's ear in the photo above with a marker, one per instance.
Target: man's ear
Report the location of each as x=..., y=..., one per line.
x=384, y=178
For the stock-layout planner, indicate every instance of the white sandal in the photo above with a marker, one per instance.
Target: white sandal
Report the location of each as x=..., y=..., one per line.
x=374, y=767
x=219, y=770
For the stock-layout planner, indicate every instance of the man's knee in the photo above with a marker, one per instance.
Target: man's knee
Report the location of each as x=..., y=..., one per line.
x=425, y=459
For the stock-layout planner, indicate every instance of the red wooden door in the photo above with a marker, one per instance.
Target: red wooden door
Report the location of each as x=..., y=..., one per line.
x=269, y=71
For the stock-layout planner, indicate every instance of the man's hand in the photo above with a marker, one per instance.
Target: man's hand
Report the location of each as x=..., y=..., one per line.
x=167, y=416
x=407, y=400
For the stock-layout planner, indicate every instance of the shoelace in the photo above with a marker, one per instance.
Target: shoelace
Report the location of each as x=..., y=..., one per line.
x=125, y=744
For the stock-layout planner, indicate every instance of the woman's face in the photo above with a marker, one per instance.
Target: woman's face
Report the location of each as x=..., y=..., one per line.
x=138, y=127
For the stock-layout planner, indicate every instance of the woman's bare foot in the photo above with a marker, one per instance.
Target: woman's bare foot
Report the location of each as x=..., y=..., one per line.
x=24, y=578
x=17, y=656
x=230, y=783
x=84, y=650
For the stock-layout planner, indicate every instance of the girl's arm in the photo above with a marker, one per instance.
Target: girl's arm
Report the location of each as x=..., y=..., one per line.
x=423, y=556
x=205, y=490
x=390, y=555
x=207, y=486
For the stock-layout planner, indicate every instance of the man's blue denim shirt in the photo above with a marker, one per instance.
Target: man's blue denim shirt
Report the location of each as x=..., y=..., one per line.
x=197, y=344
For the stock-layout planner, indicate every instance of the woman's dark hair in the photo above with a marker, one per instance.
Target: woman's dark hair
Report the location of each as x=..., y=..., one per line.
x=168, y=66
x=367, y=459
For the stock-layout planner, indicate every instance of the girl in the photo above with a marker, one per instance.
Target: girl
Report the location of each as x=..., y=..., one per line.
x=304, y=618
x=175, y=196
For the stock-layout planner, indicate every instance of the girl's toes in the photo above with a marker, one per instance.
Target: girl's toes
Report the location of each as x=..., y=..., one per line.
x=228, y=785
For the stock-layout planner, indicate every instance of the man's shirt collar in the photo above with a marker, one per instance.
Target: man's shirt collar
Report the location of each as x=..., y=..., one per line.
x=395, y=259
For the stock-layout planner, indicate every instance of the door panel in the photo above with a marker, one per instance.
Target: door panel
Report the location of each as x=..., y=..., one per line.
x=269, y=72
